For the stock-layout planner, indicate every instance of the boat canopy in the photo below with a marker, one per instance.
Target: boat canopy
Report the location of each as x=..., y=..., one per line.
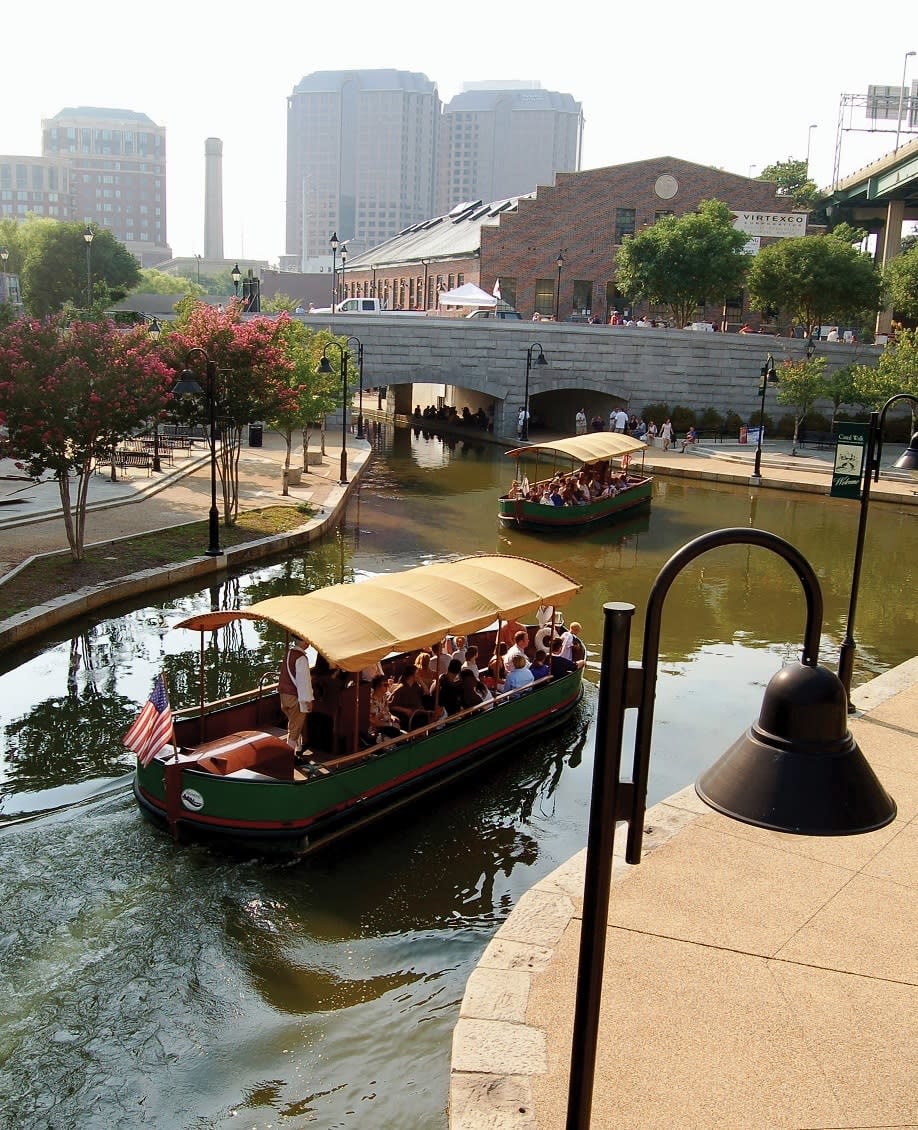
x=354, y=625
x=594, y=447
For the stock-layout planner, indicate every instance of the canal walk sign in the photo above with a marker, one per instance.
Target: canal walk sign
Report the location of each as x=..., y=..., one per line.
x=850, y=454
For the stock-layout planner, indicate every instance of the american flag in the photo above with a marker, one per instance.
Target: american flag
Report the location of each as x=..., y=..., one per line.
x=153, y=728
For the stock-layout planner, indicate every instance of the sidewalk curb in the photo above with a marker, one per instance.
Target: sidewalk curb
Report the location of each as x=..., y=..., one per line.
x=42, y=618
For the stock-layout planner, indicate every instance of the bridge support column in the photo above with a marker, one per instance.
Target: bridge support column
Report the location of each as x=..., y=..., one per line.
x=891, y=247
x=401, y=396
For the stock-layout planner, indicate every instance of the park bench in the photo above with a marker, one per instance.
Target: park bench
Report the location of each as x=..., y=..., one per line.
x=807, y=438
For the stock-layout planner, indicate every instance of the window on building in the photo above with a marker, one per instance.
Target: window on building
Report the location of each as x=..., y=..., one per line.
x=624, y=223
x=545, y=297
x=583, y=296
x=662, y=215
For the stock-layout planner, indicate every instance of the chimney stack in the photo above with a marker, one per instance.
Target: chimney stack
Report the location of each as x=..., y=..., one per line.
x=213, y=198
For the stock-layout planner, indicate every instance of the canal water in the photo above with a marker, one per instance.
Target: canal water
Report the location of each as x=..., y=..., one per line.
x=149, y=985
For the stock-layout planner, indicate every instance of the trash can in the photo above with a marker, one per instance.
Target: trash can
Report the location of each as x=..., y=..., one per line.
x=256, y=432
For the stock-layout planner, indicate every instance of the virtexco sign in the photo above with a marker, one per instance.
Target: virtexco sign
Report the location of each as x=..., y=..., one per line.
x=778, y=225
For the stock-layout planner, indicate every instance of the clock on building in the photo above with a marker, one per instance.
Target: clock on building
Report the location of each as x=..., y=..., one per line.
x=666, y=187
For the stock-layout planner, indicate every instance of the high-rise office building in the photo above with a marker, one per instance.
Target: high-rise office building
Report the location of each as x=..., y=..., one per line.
x=361, y=160
x=117, y=163
x=502, y=139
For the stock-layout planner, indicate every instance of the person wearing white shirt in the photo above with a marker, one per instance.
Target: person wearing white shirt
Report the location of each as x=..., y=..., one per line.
x=520, y=643
x=294, y=685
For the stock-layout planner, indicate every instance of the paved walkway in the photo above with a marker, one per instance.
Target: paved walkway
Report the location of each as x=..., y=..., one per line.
x=753, y=979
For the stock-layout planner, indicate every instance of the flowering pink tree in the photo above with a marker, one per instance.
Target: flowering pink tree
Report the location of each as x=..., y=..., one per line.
x=251, y=365
x=69, y=394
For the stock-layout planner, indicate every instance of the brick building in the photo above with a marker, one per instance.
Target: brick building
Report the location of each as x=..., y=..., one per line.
x=556, y=247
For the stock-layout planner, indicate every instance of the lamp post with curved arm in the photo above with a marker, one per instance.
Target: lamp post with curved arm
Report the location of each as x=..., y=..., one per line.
x=907, y=462
x=188, y=385
x=768, y=377
x=325, y=369
x=155, y=329
x=540, y=360
x=359, y=345
x=559, y=262
x=797, y=769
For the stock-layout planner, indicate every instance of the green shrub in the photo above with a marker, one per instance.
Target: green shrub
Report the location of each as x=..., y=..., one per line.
x=711, y=420
x=683, y=418
x=786, y=425
x=657, y=412
x=733, y=421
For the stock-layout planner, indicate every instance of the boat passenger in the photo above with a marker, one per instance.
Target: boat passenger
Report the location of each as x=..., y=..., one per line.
x=470, y=662
x=570, y=640
x=450, y=688
x=439, y=659
x=408, y=702
x=519, y=675
x=294, y=685
x=458, y=651
x=497, y=666
x=539, y=667
x=383, y=723
x=558, y=664
x=472, y=691
x=426, y=677
x=520, y=643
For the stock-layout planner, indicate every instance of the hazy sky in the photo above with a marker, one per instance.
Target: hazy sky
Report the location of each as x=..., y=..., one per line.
x=679, y=82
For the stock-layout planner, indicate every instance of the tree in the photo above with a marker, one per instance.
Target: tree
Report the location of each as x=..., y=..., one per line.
x=158, y=282
x=69, y=394
x=801, y=384
x=792, y=179
x=814, y=279
x=839, y=387
x=251, y=377
x=896, y=370
x=54, y=270
x=901, y=279
x=278, y=303
x=314, y=394
x=683, y=261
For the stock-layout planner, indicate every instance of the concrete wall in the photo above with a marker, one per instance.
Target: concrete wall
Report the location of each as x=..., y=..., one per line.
x=589, y=366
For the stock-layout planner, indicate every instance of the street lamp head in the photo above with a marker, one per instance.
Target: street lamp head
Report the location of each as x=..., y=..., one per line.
x=187, y=384
x=333, y=242
x=798, y=769
x=236, y=274
x=343, y=254
x=4, y=255
x=89, y=234
x=908, y=460
x=560, y=261
x=155, y=329
x=325, y=366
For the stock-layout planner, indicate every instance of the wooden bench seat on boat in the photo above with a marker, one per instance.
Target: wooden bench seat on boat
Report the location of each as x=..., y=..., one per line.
x=247, y=749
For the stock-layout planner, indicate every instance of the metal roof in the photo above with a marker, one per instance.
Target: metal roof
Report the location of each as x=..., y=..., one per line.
x=455, y=235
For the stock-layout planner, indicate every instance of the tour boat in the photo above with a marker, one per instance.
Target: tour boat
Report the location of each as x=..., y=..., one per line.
x=611, y=452
x=227, y=772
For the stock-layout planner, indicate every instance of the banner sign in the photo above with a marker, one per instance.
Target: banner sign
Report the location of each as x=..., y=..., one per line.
x=778, y=225
x=850, y=455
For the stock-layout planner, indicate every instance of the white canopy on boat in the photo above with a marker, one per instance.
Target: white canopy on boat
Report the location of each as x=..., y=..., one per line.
x=355, y=625
x=466, y=295
x=593, y=447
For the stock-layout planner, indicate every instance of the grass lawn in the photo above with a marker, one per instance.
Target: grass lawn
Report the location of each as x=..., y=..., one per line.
x=55, y=576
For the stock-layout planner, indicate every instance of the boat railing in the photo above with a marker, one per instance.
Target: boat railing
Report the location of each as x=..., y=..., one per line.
x=252, y=694
x=379, y=748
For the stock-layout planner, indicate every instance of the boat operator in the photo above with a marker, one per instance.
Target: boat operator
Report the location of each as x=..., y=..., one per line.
x=294, y=685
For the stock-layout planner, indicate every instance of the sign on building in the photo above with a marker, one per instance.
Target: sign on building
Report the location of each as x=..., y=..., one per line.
x=776, y=225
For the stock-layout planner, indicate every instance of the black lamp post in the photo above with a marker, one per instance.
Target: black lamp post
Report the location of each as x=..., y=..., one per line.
x=373, y=289
x=356, y=341
x=333, y=243
x=424, y=304
x=154, y=331
x=325, y=368
x=236, y=275
x=560, y=265
x=540, y=360
x=797, y=770
x=768, y=377
x=4, y=255
x=187, y=385
x=906, y=462
x=343, y=270
x=88, y=235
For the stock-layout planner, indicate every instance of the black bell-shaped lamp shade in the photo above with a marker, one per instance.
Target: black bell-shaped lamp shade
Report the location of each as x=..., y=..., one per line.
x=798, y=769
x=908, y=460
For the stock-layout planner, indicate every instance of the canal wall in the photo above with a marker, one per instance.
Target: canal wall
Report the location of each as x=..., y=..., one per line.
x=592, y=367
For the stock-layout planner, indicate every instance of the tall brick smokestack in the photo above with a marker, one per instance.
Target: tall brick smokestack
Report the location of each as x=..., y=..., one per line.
x=213, y=198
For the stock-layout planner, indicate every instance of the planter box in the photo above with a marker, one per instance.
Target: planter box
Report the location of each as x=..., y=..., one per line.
x=294, y=476
x=314, y=458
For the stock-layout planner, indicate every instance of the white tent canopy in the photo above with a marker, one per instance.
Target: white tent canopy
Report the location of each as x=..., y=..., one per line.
x=467, y=295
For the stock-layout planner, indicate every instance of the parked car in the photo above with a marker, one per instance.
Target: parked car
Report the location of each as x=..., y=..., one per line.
x=501, y=310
